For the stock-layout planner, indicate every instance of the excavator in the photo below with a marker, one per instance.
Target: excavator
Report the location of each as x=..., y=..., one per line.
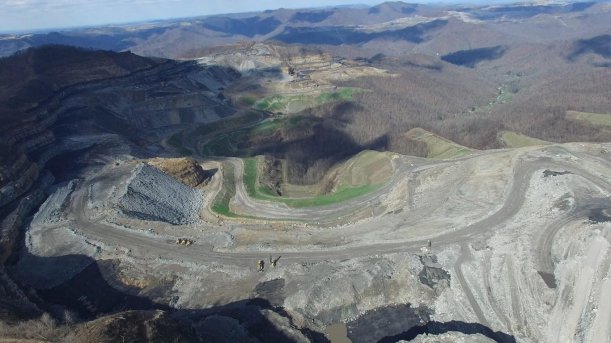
x=184, y=241
x=273, y=262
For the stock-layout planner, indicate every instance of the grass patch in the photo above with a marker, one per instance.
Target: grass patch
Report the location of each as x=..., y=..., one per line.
x=343, y=94
x=366, y=168
x=251, y=174
x=221, y=202
x=596, y=119
x=298, y=102
x=228, y=191
x=340, y=195
x=438, y=147
x=273, y=103
x=512, y=139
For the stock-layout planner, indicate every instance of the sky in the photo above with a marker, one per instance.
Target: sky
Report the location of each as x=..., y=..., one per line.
x=29, y=15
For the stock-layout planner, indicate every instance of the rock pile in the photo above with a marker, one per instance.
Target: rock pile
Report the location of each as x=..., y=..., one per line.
x=154, y=195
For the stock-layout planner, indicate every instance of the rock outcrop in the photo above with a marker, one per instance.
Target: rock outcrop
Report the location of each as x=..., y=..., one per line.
x=185, y=170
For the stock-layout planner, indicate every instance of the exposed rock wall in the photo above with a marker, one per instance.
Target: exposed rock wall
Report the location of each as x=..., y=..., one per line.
x=10, y=225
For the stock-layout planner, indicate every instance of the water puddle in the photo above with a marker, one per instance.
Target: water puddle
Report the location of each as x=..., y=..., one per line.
x=338, y=333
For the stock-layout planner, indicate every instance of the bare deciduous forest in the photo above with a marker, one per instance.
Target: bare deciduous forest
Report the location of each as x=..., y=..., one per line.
x=468, y=106
x=457, y=104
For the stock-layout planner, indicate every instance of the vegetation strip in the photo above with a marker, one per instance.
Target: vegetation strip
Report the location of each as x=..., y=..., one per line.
x=221, y=202
x=513, y=139
x=595, y=119
x=254, y=191
x=280, y=103
x=438, y=147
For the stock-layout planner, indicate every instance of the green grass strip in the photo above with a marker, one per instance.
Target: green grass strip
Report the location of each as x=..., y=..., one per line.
x=221, y=202
x=333, y=198
x=250, y=183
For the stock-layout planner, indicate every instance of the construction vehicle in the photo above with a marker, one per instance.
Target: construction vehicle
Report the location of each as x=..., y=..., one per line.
x=184, y=241
x=273, y=262
x=260, y=265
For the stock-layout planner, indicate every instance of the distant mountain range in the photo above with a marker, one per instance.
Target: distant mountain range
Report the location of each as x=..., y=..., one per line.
x=390, y=28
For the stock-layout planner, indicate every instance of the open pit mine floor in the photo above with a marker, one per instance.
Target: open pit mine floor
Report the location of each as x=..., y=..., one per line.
x=502, y=245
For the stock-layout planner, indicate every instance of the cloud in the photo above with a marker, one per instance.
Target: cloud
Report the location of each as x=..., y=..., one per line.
x=24, y=15
x=15, y=2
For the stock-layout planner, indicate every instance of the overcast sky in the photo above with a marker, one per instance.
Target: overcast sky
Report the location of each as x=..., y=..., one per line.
x=26, y=15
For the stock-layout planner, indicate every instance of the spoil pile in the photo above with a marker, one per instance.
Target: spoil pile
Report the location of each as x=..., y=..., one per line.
x=185, y=170
x=153, y=195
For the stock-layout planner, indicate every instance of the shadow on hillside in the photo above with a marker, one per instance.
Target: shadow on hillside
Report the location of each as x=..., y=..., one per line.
x=470, y=58
x=332, y=35
x=90, y=295
x=599, y=45
x=437, y=328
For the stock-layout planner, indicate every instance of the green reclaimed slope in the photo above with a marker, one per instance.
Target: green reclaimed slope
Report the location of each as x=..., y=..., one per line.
x=438, y=147
x=597, y=119
x=344, y=191
x=513, y=139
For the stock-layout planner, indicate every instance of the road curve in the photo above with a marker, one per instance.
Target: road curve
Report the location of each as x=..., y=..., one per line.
x=279, y=210
x=141, y=245
x=135, y=240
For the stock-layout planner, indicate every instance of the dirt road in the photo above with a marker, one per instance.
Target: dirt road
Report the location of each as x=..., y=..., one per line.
x=138, y=242
x=503, y=300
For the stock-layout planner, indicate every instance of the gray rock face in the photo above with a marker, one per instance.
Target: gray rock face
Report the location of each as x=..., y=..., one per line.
x=153, y=195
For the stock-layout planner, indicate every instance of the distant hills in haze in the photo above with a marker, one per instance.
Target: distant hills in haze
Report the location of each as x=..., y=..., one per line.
x=407, y=27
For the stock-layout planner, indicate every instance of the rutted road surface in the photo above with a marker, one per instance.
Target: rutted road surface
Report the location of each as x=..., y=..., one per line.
x=135, y=241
